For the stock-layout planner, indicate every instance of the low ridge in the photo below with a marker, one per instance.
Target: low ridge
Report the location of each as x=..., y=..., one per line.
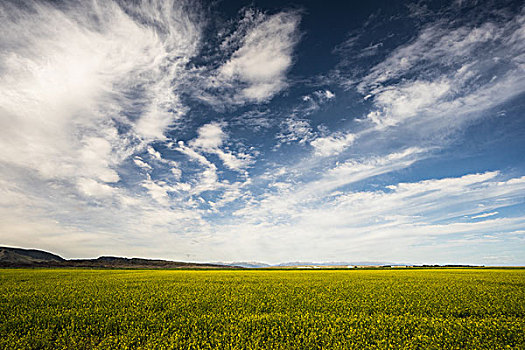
x=18, y=257
x=27, y=256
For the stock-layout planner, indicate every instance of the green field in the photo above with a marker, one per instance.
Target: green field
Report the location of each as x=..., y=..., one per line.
x=262, y=309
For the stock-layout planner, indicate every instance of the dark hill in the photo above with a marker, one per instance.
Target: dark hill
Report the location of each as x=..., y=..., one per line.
x=27, y=256
x=16, y=257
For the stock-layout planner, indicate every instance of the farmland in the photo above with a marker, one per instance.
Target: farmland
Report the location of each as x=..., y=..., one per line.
x=262, y=309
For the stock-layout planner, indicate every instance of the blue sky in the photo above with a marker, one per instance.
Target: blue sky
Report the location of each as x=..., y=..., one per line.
x=264, y=131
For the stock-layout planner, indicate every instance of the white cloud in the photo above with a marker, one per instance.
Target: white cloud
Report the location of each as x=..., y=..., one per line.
x=208, y=179
x=385, y=223
x=399, y=102
x=314, y=191
x=444, y=77
x=141, y=164
x=235, y=162
x=71, y=75
x=313, y=102
x=325, y=94
x=332, y=144
x=94, y=188
x=484, y=215
x=257, y=69
x=158, y=190
x=356, y=170
x=211, y=136
x=210, y=139
x=435, y=45
x=177, y=173
x=294, y=129
x=85, y=87
x=154, y=153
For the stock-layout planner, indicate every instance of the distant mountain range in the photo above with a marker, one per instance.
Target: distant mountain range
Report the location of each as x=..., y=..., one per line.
x=339, y=263
x=255, y=264
x=246, y=264
x=18, y=257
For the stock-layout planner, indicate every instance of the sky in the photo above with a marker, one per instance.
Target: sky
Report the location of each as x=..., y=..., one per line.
x=267, y=131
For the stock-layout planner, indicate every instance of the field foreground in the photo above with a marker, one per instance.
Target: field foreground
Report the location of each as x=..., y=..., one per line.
x=254, y=309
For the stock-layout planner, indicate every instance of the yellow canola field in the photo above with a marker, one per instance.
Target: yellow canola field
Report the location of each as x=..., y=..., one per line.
x=262, y=309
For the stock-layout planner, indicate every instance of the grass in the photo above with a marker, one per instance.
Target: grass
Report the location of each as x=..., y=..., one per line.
x=247, y=309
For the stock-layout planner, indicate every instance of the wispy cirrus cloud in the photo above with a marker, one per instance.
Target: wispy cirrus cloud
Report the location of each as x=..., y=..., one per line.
x=484, y=215
x=257, y=57
x=391, y=220
x=79, y=96
x=332, y=144
x=288, y=200
x=79, y=99
x=448, y=74
x=260, y=63
x=210, y=139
